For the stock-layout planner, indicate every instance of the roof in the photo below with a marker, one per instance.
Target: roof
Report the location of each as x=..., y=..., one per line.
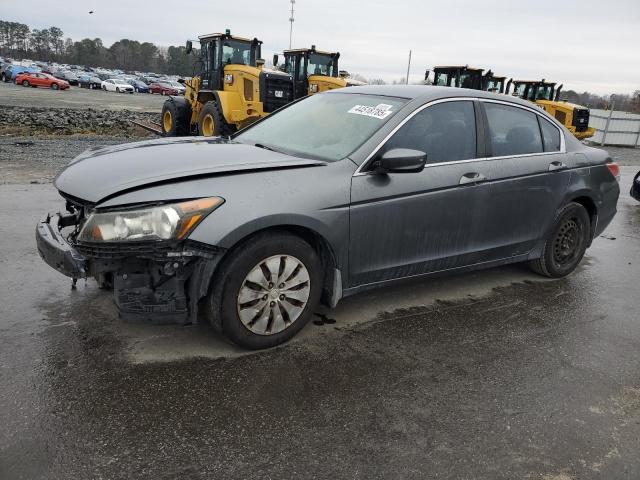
x=534, y=81
x=457, y=67
x=302, y=50
x=233, y=37
x=425, y=93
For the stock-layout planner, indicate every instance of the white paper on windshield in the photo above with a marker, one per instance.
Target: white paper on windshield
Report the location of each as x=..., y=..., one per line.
x=380, y=111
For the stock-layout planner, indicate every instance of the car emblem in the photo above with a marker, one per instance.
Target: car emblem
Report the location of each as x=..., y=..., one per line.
x=279, y=93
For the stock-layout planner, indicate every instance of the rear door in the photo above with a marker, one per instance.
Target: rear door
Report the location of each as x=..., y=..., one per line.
x=406, y=224
x=530, y=177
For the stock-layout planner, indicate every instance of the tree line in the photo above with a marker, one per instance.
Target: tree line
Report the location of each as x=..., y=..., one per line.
x=18, y=40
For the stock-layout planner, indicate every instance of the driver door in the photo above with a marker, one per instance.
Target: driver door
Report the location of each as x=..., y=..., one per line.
x=406, y=224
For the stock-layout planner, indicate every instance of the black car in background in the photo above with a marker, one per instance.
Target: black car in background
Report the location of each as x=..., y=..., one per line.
x=341, y=192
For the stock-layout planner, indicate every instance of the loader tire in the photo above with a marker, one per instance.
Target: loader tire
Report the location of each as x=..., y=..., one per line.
x=211, y=122
x=176, y=117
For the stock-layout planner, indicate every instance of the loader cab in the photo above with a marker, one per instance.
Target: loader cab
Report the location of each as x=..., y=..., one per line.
x=312, y=70
x=220, y=50
x=534, y=90
x=463, y=76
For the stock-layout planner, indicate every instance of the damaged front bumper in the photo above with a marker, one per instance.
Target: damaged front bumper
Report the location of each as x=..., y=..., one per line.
x=54, y=248
x=158, y=282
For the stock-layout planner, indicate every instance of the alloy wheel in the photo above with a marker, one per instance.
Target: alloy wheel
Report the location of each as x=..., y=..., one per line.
x=273, y=295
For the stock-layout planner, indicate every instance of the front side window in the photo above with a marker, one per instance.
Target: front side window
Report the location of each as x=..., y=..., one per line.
x=325, y=126
x=513, y=130
x=446, y=132
x=550, y=135
x=236, y=52
x=320, y=65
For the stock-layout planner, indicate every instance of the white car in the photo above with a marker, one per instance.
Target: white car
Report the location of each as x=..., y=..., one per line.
x=115, y=85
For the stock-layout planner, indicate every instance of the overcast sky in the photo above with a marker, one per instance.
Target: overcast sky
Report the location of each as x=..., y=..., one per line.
x=586, y=44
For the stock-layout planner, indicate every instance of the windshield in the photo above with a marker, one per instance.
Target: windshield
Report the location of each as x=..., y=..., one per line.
x=236, y=52
x=320, y=65
x=324, y=126
x=544, y=92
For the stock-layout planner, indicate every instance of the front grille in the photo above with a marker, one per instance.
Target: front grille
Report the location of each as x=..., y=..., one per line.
x=276, y=90
x=581, y=119
x=110, y=251
x=124, y=249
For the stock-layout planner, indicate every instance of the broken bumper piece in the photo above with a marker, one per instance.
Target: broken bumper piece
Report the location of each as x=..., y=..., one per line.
x=56, y=251
x=155, y=282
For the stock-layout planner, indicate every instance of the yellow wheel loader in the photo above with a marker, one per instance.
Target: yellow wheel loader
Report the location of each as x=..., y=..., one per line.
x=545, y=94
x=464, y=76
x=229, y=91
x=312, y=70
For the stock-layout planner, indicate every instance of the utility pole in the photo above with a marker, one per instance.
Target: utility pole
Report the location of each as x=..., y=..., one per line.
x=408, y=68
x=291, y=22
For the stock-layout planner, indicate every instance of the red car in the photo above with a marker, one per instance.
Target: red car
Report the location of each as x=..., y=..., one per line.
x=41, y=80
x=163, y=89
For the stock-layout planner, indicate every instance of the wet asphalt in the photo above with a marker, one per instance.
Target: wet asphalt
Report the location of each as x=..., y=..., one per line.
x=497, y=374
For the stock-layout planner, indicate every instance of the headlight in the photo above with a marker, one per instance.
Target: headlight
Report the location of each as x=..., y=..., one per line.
x=164, y=222
x=228, y=78
x=313, y=88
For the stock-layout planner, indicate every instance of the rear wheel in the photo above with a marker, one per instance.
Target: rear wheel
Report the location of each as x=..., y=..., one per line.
x=211, y=122
x=564, y=248
x=25, y=83
x=266, y=291
x=176, y=117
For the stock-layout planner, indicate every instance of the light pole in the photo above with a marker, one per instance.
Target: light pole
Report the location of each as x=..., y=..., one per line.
x=291, y=22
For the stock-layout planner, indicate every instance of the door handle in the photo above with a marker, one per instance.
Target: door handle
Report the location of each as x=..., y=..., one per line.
x=472, y=178
x=555, y=166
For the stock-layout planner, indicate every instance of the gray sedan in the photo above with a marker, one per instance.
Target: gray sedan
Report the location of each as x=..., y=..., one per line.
x=337, y=193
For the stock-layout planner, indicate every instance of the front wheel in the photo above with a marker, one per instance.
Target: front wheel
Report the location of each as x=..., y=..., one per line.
x=266, y=291
x=565, y=246
x=211, y=122
x=55, y=86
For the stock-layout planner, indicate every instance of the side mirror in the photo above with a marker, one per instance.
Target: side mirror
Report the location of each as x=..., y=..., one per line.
x=275, y=60
x=400, y=160
x=189, y=47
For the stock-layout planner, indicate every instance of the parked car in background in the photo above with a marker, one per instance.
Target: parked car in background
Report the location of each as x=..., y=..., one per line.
x=635, y=187
x=163, y=88
x=41, y=80
x=116, y=85
x=139, y=86
x=89, y=80
x=178, y=86
x=13, y=70
x=69, y=76
x=338, y=193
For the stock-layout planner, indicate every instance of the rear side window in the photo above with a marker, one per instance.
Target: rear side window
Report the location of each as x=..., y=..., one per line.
x=513, y=130
x=446, y=132
x=550, y=135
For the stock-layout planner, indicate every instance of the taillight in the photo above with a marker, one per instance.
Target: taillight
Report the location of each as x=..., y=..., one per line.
x=614, y=168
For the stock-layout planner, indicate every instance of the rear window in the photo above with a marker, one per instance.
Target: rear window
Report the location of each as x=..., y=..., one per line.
x=513, y=130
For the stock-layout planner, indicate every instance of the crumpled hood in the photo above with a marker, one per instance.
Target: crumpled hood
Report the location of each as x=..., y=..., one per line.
x=104, y=171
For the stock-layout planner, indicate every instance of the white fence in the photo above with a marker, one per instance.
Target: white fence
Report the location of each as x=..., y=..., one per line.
x=615, y=128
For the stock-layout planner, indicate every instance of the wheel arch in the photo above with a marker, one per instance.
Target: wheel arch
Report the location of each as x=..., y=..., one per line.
x=589, y=204
x=332, y=282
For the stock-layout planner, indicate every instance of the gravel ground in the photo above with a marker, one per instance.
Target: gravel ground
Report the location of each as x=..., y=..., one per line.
x=37, y=160
x=78, y=98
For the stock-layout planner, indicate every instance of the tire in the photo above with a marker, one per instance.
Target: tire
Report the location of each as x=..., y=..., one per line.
x=117, y=89
x=25, y=83
x=55, y=86
x=280, y=249
x=211, y=122
x=104, y=88
x=176, y=117
x=162, y=92
x=566, y=244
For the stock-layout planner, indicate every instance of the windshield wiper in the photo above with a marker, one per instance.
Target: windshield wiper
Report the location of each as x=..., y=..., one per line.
x=267, y=147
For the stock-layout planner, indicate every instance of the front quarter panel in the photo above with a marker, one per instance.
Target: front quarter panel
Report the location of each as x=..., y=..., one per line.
x=316, y=198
